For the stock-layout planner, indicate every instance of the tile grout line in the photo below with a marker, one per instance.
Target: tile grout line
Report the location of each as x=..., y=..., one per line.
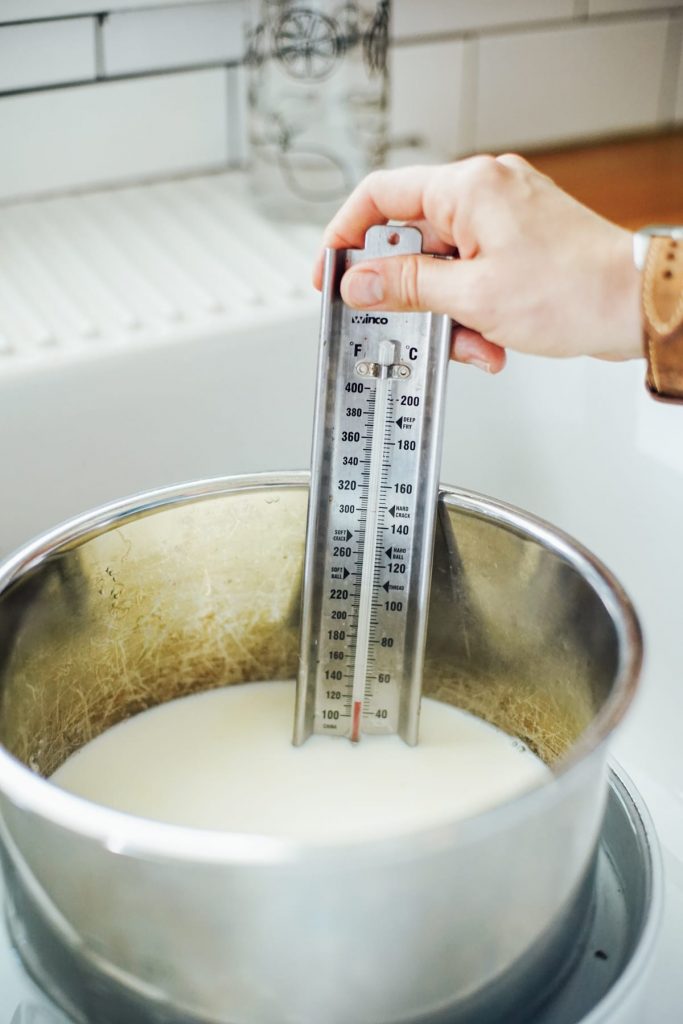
x=127, y=76
x=537, y=25
x=93, y=12
x=466, y=36
x=100, y=64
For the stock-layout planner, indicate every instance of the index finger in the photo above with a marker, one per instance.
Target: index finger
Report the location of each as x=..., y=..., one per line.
x=382, y=196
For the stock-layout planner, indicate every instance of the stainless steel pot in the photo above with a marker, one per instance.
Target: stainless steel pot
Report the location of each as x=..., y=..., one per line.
x=127, y=920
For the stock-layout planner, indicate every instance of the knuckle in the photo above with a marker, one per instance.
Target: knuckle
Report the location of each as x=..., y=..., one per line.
x=409, y=283
x=513, y=160
x=515, y=168
x=485, y=168
x=374, y=183
x=485, y=174
x=438, y=199
x=373, y=178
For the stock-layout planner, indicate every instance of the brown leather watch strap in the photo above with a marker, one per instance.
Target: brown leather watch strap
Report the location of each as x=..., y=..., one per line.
x=662, y=305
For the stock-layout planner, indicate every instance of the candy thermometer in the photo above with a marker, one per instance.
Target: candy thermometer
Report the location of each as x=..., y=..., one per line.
x=375, y=465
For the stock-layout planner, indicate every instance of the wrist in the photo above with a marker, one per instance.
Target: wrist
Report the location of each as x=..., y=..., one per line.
x=623, y=338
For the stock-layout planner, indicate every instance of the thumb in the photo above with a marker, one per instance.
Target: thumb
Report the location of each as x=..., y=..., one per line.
x=416, y=283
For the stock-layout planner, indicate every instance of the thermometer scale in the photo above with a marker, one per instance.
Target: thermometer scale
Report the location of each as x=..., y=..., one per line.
x=376, y=458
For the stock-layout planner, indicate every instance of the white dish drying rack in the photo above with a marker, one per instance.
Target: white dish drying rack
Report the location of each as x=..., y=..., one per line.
x=135, y=265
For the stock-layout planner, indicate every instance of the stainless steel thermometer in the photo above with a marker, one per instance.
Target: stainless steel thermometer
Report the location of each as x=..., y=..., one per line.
x=372, y=508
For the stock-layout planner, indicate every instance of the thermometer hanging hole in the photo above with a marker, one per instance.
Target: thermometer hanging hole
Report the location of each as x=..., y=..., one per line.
x=394, y=238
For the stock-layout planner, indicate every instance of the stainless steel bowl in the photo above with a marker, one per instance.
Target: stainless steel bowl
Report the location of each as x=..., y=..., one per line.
x=124, y=919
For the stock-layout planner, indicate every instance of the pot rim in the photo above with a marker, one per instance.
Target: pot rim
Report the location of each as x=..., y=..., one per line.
x=127, y=834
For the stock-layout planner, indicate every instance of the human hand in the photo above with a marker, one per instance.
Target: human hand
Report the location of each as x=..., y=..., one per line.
x=538, y=272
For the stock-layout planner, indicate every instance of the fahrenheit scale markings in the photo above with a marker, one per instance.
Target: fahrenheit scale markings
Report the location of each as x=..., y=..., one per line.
x=372, y=508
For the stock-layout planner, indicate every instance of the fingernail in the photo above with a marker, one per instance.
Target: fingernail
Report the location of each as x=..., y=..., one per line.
x=480, y=364
x=364, y=288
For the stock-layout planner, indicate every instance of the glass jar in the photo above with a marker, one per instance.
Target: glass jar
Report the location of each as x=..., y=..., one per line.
x=317, y=102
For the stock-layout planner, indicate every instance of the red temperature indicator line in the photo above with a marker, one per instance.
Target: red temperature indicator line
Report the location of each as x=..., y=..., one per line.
x=355, y=727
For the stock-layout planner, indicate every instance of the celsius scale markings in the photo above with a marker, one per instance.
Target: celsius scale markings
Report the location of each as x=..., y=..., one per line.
x=372, y=508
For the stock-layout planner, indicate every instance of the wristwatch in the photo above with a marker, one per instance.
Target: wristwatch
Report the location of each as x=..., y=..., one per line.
x=658, y=253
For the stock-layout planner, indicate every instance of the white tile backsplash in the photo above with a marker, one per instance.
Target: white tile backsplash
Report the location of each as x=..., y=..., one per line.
x=114, y=131
x=670, y=70
x=432, y=17
x=174, y=36
x=24, y=10
x=555, y=85
x=238, y=146
x=46, y=53
x=427, y=83
x=465, y=75
x=620, y=6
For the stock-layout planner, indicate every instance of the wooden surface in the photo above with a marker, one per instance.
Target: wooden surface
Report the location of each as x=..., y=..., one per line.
x=633, y=182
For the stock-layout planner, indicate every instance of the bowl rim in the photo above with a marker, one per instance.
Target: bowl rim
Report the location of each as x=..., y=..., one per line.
x=124, y=833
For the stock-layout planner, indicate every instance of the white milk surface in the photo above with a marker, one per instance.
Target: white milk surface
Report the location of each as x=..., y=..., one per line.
x=224, y=760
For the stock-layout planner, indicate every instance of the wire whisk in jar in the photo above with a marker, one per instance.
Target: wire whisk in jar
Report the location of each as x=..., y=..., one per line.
x=317, y=101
